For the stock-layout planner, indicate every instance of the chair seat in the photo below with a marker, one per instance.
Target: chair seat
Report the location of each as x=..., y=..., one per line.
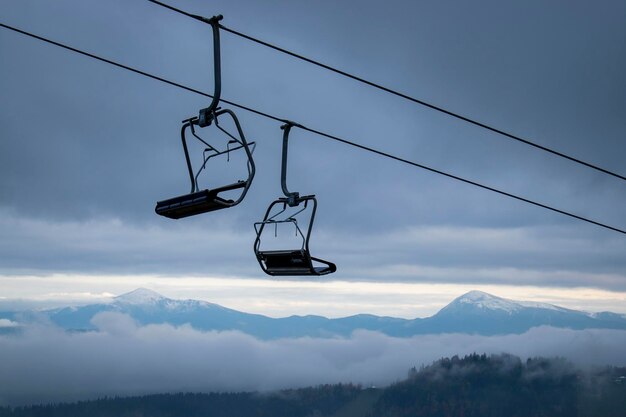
x=196, y=203
x=293, y=262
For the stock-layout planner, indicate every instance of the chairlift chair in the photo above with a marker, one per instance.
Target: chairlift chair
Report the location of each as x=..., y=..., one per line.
x=290, y=262
x=202, y=201
x=207, y=200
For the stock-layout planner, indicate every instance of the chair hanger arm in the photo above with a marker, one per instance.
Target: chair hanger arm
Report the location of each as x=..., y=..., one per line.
x=206, y=115
x=292, y=197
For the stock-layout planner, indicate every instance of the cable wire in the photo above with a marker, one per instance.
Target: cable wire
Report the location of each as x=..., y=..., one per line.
x=397, y=93
x=315, y=131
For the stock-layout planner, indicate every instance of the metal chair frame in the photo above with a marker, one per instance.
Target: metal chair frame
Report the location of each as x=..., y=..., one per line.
x=202, y=201
x=297, y=261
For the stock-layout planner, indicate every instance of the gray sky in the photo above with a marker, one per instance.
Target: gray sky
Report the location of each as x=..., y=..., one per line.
x=86, y=149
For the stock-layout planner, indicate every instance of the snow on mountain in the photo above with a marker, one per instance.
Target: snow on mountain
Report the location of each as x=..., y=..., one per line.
x=143, y=298
x=546, y=306
x=486, y=301
x=140, y=296
x=483, y=300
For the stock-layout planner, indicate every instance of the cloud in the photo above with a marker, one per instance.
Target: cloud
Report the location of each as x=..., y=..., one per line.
x=8, y=323
x=553, y=256
x=46, y=364
x=123, y=247
x=85, y=185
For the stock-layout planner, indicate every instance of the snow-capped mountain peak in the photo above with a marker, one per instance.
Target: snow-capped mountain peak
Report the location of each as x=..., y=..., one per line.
x=140, y=296
x=484, y=301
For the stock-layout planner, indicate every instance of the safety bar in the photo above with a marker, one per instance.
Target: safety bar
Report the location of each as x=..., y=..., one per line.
x=218, y=153
x=251, y=166
x=259, y=226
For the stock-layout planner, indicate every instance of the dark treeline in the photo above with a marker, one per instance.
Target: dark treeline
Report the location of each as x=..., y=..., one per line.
x=319, y=401
x=503, y=385
x=476, y=385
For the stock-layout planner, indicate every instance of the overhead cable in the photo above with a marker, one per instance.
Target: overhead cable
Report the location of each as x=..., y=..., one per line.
x=312, y=130
x=397, y=93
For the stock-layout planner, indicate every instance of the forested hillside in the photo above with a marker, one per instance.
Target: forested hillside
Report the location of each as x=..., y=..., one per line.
x=503, y=385
x=476, y=385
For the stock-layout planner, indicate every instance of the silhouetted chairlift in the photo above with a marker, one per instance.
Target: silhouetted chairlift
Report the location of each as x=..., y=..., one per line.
x=203, y=201
x=289, y=261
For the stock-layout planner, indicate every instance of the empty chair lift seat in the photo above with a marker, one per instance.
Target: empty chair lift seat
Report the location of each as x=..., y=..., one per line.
x=293, y=262
x=196, y=203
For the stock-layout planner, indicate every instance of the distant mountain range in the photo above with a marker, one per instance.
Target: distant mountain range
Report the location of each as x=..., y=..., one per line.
x=473, y=313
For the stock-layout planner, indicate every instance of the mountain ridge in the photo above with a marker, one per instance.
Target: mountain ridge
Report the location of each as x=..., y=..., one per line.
x=475, y=312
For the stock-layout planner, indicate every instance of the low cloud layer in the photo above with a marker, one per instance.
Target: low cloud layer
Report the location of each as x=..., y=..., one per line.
x=7, y=323
x=45, y=364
